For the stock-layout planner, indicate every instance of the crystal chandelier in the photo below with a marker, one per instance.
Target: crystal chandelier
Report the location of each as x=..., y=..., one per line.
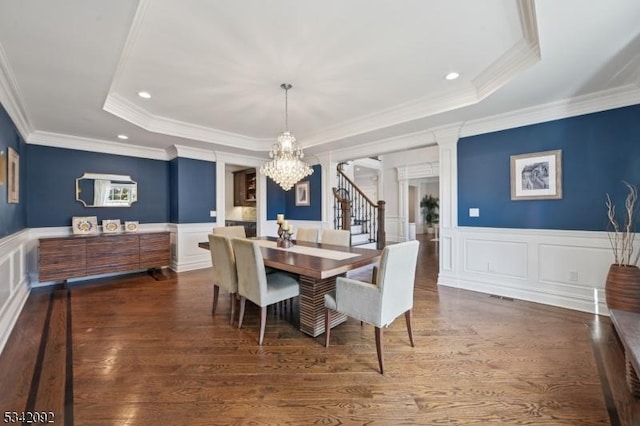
x=286, y=167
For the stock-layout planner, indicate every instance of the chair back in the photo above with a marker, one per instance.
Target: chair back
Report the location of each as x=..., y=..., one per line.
x=307, y=234
x=252, y=278
x=396, y=278
x=230, y=231
x=224, y=262
x=337, y=237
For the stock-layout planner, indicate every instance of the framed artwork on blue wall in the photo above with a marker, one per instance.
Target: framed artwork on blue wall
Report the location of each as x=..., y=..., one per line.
x=302, y=194
x=537, y=176
x=13, y=177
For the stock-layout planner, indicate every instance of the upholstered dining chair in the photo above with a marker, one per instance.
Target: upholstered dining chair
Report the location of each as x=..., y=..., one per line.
x=224, y=270
x=307, y=234
x=381, y=302
x=256, y=285
x=337, y=237
x=230, y=231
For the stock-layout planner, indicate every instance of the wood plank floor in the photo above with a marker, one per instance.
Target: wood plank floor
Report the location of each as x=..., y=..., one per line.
x=136, y=351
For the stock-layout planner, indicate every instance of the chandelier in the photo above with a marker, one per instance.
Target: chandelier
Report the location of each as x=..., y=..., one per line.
x=286, y=167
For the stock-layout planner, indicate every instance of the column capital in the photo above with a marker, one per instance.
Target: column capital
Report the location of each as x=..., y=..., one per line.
x=447, y=135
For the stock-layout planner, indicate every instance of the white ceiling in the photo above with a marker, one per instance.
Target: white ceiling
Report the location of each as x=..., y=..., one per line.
x=361, y=70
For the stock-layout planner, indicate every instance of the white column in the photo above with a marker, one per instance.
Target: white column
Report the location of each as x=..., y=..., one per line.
x=328, y=181
x=447, y=140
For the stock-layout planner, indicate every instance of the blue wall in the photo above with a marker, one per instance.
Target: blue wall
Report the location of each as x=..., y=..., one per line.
x=51, y=175
x=598, y=151
x=193, y=190
x=280, y=201
x=12, y=216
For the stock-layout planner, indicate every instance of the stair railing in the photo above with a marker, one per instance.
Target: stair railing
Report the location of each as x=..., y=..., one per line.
x=352, y=207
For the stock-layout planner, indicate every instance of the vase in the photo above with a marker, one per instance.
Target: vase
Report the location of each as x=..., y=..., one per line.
x=622, y=288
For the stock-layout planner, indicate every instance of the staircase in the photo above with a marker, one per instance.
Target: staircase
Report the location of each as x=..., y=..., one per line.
x=355, y=212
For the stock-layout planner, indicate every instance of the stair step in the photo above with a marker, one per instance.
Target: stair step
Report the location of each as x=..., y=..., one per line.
x=359, y=239
x=356, y=229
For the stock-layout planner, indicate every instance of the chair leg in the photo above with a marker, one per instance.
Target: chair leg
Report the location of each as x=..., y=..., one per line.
x=241, y=316
x=263, y=322
x=216, y=290
x=380, y=348
x=327, y=326
x=407, y=316
x=232, y=300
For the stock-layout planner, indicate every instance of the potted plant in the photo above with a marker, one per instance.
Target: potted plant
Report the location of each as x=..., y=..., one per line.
x=622, y=288
x=430, y=206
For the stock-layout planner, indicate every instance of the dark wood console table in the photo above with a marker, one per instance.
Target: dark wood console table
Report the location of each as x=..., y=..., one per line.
x=627, y=325
x=61, y=258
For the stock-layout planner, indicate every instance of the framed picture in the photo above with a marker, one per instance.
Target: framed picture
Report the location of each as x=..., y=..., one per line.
x=3, y=167
x=85, y=225
x=302, y=194
x=537, y=176
x=111, y=226
x=131, y=226
x=13, y=177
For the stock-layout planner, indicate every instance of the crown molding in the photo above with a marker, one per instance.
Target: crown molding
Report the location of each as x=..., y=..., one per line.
x=134, y=114
x=385, y=146
x=239, y=159
x=594, y=102
x=58, y=140
x=523, y=55
x=181, y=151
x=11, y=97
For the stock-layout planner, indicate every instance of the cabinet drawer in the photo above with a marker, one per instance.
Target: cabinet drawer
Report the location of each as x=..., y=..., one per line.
x=112, y=254
x=61, y=259
x=155, y=250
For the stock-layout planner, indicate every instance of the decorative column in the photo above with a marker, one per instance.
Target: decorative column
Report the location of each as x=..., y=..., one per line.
x=447, y=140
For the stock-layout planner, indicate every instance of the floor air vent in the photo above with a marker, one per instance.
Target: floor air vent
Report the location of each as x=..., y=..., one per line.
x=495, y=296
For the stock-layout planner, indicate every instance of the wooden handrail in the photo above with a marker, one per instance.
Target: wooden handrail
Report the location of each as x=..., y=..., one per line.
x=356, y=188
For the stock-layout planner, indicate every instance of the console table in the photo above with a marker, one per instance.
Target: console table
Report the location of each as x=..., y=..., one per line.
x=61, y=258
x=627, y=325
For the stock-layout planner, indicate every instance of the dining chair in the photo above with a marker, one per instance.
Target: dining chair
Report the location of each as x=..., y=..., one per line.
x=307, y=234
x=230, y=231
x=378, y=303
x=224, y=271
x=336, y=237
x=256, y=285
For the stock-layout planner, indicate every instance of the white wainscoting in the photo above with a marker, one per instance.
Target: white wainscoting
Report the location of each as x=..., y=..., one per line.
x=14, y=283
x=185, y=253
x=560, y=268
x=394, y=229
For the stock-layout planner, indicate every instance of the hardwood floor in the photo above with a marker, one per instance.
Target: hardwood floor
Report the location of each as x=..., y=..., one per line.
x=136, y=351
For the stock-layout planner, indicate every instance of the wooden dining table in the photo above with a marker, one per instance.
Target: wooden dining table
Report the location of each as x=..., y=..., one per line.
x=318, y=266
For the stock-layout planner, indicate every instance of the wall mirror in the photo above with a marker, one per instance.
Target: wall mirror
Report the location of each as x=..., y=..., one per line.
x=104, y=190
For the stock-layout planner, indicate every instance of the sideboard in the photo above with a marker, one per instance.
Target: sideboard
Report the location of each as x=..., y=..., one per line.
x=61, y=258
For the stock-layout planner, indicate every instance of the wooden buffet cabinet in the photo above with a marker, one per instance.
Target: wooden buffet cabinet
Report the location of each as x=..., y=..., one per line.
x=61, y=258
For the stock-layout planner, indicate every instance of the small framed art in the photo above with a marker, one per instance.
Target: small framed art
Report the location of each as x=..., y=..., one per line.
x=302, y=194
x=85, y=224
x=131, y=226
x=13, y=177
x=111, y=226
x=537, y=176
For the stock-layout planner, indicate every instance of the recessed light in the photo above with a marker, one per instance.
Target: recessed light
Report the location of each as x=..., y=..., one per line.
x=145, y=95
x=123, y=137
x=452, y=76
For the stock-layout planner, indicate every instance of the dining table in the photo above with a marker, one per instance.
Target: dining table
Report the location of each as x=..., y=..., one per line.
x=318, y=266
